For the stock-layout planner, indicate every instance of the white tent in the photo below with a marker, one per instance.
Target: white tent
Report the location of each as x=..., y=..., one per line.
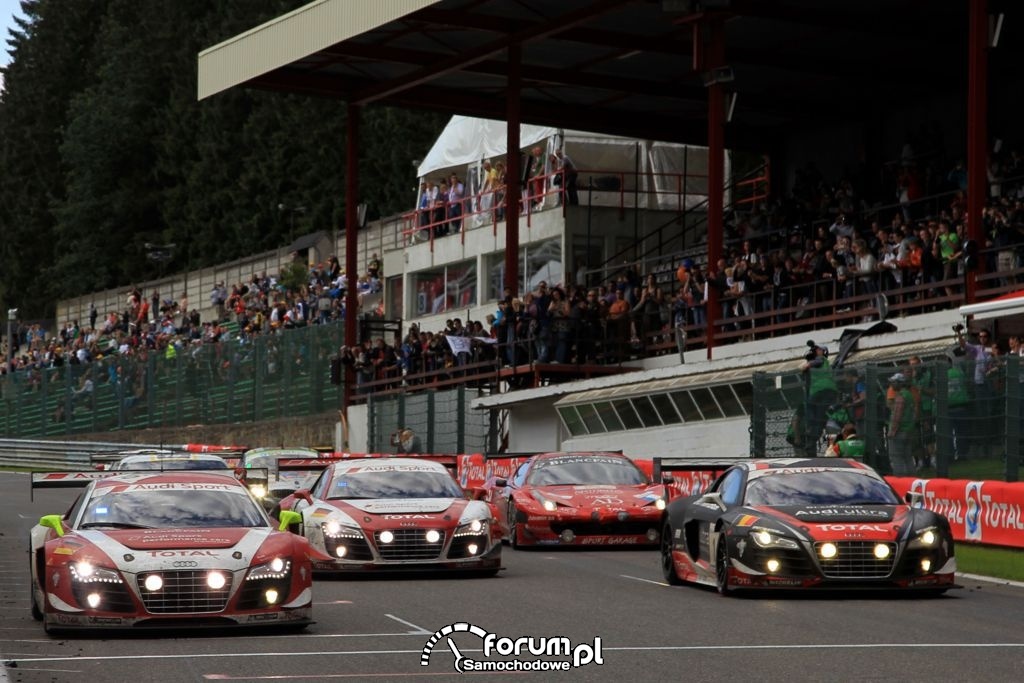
x=467, y=140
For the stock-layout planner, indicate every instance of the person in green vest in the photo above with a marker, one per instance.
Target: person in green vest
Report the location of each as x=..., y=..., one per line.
x=959, y=401
x=923, y=389
x=822, y=392
x=848, y=445
x=902, y=427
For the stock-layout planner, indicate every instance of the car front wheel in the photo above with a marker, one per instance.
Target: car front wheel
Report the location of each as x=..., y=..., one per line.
x=722, y=566
x=668, y=565
x=37, y=612
x=513, y=527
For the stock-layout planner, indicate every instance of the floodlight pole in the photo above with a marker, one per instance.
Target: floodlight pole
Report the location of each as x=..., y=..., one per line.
x=977, y=132
x=715, y=58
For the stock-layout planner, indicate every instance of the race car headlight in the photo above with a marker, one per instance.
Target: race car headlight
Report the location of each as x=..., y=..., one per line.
x=87, y=572
x=660, y=503
x=546, y=503
x=766, y=538
x=277, y=568
x=258, y=490
x=332, y=528
x=925, y=538
x=474, y=527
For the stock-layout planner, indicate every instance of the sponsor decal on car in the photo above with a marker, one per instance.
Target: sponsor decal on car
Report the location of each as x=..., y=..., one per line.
x=562, y=654
x=747, y=520
x=608, y=540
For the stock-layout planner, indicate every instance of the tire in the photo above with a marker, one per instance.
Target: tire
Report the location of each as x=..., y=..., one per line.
x=668, y=567
x=513, y=527
x=37, y=612
x=722, y=567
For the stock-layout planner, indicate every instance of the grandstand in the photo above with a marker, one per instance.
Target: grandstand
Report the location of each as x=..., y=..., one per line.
x=618, y=71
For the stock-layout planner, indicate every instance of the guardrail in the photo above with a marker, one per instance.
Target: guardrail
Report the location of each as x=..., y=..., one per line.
x=74, y=455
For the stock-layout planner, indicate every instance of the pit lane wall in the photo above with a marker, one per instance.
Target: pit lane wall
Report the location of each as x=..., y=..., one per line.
x=987, y=512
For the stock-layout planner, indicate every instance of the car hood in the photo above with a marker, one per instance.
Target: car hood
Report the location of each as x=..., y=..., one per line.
x=802, y=515
x=136, y=550
x=600, y=495
x=174, y=539
x=397, y=506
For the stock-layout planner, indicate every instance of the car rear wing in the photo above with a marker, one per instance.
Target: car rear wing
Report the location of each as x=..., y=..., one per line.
x=63, y=480
x=672, y=465
x=102, y=461
x=450, y=461
x=688, y=476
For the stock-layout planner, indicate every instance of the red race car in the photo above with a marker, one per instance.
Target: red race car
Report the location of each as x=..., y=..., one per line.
x=578, y=499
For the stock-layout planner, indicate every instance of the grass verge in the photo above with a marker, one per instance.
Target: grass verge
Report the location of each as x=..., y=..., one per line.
x=1002, y=563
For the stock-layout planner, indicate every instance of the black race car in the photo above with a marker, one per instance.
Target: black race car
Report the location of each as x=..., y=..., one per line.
x=803, y=523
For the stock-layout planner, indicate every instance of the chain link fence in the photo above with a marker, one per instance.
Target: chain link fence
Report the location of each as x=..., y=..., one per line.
x=240, y=380
x=437, y=422
x=960, y=417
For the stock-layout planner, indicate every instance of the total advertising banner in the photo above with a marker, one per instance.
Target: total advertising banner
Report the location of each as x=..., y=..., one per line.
x=978, y=511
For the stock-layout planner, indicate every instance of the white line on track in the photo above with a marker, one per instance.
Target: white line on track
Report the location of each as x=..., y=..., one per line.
x=416, y=629
x=319, y=677
x=637, y=578
x=992, y=579
x=638, y=648
x=969, y=577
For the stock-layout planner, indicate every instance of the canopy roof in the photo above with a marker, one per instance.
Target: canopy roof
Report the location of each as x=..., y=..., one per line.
x=1007, y=304
x=628, y=67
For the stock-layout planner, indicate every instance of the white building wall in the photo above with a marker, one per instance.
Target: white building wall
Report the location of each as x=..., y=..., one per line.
x=534, y=428
x=718, y=439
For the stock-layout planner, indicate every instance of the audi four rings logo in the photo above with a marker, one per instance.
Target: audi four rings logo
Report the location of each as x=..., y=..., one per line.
x=181, y=564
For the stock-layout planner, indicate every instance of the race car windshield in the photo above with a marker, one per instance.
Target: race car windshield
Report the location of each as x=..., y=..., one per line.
x=560, y=472
x=394, y=484
x=173, y=464
x=172, y=509
x=819, y=488
x=268, y=461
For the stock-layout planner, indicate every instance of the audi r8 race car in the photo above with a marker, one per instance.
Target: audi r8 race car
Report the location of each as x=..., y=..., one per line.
x=387, y=513
x=578, y=499
x=804, y=523
x=180, y=549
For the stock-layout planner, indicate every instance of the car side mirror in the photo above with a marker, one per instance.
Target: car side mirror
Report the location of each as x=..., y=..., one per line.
x=501, y=481
x=54, y=522
x=477, y=493
x=713, y=498
x=288, y=518
x=915, y=499
x=304, y=494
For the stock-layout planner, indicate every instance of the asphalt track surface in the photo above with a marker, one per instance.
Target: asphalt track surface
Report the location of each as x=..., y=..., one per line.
x=376, y=629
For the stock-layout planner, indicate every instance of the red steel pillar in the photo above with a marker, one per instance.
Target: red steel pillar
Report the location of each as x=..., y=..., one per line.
x=977, y=131
x=351, y=241
x=513, y=170
x=715, y=58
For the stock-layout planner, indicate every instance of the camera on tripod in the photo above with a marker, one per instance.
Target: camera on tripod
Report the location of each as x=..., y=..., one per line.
x=958, y=328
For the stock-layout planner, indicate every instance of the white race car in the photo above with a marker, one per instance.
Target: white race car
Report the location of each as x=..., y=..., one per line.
x=180, y=549
x=389, y=513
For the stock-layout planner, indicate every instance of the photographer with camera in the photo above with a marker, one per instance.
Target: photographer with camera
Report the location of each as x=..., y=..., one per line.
x=822, y=392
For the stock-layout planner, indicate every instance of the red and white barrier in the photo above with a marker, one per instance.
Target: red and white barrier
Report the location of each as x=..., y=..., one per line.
x=978, y=511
